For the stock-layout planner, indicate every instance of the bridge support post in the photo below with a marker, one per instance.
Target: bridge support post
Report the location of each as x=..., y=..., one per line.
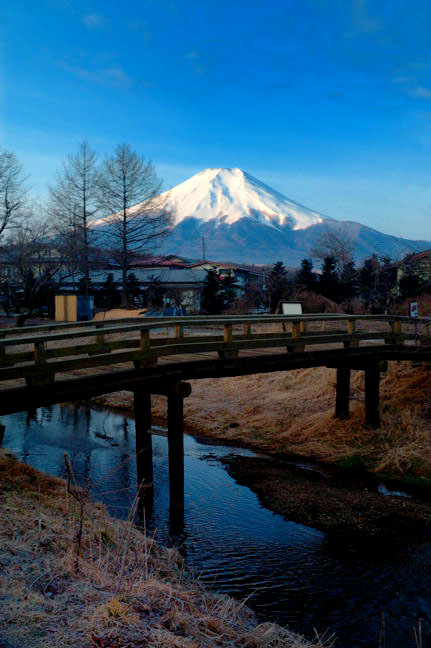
x=343, y=393
x=144, y=445
x=372, y=395
x=176, y=394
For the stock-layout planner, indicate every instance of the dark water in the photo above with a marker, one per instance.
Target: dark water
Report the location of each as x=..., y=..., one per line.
x=292, y=574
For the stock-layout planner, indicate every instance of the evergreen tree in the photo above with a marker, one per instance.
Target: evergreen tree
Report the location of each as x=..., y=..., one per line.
x=154, y=292
x=109, y=295
x=132, y=287
x=368, y=281
x=228, y=289
x=410, y=285
x=329, y=283
x=349, y=282
x=212, y=298
x=387, y=280
x=277, y=285
x=305, y=277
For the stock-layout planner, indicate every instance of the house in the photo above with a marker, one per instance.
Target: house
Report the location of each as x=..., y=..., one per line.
x=242, y=273
x=175, y=280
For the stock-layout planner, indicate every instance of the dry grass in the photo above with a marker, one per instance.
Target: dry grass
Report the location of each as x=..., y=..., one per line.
x=293, y=413
x=122, y=591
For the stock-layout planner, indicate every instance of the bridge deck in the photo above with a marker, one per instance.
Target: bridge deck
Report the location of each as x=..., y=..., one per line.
x=41, y=363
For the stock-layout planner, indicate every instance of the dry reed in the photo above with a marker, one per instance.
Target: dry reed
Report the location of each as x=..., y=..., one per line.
x=126, y=593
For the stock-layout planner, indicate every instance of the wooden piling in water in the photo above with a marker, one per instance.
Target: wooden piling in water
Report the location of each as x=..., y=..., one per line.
x=176, y=447
x=144, y=445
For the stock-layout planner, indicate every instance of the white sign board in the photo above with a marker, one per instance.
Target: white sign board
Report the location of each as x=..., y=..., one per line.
x=291, y=308
x=414, y=309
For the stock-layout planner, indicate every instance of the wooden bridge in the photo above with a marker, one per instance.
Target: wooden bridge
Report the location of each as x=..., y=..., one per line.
x=56, y=363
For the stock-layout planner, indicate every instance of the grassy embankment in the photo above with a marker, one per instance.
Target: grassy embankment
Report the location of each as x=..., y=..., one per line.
x=107, y=586
x=293, y=413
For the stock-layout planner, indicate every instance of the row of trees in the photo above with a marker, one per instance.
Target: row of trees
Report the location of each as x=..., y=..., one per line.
x=371, y=287
x=124, y=187
x=125, y=191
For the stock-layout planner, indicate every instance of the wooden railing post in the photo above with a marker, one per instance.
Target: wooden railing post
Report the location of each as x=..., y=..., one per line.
x=228, y=333
x=296, y=329
x=100, y=338
x=296, y=334
x=39, y=353
x=227, y=339
x=99, y=345
x=179, y=331
x=351, y=330
x=246, y=328
x=47, y=377
x=144, y=346
x=394, y=337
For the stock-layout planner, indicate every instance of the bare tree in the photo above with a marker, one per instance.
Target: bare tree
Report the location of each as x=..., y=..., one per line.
x=336, y=243
x=138, y=217
x=73, y=207
x=13, y=191
x=34, y=266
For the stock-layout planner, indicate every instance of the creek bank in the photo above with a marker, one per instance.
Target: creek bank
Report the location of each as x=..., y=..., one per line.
x=74, y=577
x=323, y=501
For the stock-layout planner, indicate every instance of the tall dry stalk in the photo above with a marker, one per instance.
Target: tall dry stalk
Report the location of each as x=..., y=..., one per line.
x=81, y=496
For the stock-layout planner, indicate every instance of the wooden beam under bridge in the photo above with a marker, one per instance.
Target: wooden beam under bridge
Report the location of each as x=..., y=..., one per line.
x=176, y=392
x=372, y=369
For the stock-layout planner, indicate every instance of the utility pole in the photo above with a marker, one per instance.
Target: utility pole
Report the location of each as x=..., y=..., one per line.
x=203, y=248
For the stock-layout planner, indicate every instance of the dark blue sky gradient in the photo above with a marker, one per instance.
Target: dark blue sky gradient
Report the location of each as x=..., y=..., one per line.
x=328, y=101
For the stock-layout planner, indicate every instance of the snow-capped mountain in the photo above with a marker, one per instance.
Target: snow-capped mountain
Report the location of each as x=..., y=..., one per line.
x=241, y=219
x=228, y=195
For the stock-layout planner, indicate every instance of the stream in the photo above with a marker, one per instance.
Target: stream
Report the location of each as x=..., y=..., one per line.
x=291, y=574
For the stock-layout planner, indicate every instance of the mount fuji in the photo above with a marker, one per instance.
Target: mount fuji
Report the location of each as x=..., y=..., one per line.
x=239, y=218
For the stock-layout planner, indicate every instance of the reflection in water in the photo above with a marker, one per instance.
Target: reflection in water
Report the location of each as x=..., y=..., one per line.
x=293, y=574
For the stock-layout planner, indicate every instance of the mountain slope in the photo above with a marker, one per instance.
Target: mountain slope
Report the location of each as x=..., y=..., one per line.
x=242, y=219
x=228, y=195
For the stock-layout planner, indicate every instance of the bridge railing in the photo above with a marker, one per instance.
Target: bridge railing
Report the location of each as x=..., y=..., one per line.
x=37, y=354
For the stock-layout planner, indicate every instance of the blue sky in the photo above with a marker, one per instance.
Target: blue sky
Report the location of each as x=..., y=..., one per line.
x=328, y=101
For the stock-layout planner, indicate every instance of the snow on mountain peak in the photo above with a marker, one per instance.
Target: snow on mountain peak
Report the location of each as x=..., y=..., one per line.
x=228, y=195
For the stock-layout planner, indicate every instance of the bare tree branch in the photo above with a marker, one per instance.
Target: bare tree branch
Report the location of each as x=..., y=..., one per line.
x=13, y=191
x=336, y=243
x=138, y=218
x=73, y=207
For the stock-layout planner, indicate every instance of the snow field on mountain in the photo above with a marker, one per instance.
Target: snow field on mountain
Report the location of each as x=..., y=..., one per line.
x=228, y=195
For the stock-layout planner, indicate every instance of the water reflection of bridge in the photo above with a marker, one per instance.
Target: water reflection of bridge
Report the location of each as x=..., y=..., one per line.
x=57, y=363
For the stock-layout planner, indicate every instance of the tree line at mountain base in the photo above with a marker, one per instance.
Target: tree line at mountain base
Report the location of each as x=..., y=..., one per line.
x=376, y=286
